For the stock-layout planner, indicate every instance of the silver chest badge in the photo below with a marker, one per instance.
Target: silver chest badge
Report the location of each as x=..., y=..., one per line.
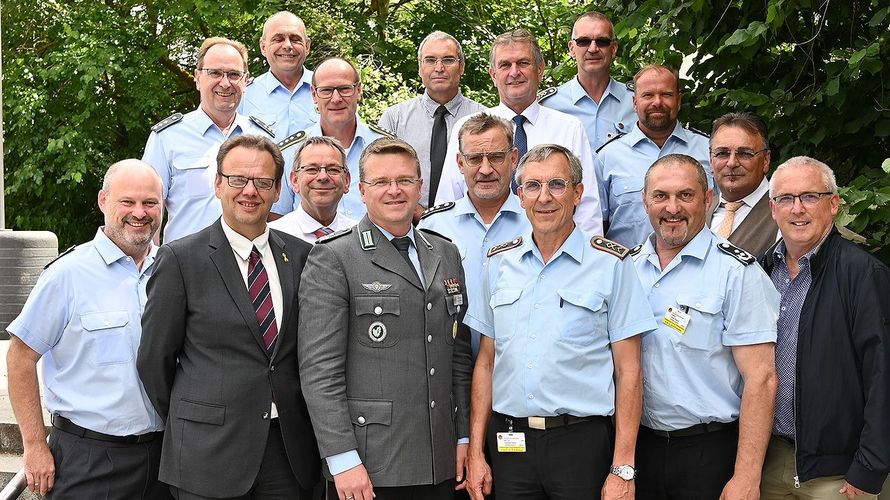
x=377, y=331
x=376, y=286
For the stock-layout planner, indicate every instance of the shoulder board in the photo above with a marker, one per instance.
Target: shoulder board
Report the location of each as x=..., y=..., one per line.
x=616, y=136
x=334, y=235
x=630, y=86
x=381, y=131
x=507, y=245
x=66, y=252
x=635, y=250
x=547, y=93
x=609, y=246
x=261, y=124
x=250, y=81
x=292, y=139
x=697, y=131
x=444, y=207
x=166, y=122
x=737, y=253
x=430, y=231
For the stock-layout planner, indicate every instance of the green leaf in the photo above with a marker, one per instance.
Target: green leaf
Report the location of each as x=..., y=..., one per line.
x=856, y=57
x=885, y=166
x=878, y=18
x=832, y=87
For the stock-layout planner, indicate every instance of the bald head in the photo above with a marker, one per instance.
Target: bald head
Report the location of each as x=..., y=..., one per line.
x=125, y=169
x=282, y=18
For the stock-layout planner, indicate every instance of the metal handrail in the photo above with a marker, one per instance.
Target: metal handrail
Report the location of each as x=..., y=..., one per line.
x=15, y=486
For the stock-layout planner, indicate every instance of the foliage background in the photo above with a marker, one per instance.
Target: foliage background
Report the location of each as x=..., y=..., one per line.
x=85, y=79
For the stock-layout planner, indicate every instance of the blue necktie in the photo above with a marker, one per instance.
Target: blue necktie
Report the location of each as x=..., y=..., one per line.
x=521, y=142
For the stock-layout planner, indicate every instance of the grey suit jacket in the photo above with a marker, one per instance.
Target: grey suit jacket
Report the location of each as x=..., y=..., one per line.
x=382, y=369
x=757, y=232
x=206, y=370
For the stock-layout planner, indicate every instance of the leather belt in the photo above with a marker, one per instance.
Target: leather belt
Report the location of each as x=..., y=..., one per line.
x=65, y=425
x=544, y=423
x=695, y=430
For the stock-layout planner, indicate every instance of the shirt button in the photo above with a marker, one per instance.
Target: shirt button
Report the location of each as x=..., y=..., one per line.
x=783, y=308
x=360, y=420
x=533, y=336
x=531, y=396
x=698, y=305
x=429, y=338
x=537, y=306
x=432, y=404
x=529, y=366
x=429, y=306
x=107, y=323
x=378, y=310
x=265, y=415
x=272, y=368
x=655, y=285
x=432, y=371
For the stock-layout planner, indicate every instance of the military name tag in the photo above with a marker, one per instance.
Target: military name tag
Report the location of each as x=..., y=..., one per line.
x=676, y=319
x=511, y=442
x=377, y=331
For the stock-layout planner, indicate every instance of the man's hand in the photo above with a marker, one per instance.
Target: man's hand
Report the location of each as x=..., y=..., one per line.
x=460, y=466
x=617, y=488
x=850, y=492
x=354, y=484
x=741, y=488
x=40, y=469
x=478, y=477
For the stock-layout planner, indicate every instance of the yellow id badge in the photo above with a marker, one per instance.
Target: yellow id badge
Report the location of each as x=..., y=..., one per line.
x=511, y=442
x=676, y=319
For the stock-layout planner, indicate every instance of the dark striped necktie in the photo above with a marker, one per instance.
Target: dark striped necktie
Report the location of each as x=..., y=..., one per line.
x=261, y=296
x=322, y=231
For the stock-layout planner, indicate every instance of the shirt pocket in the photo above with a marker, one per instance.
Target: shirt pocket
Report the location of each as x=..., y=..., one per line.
x=377, y=319
x=628, y=190
x=705, y=321
x=107, y=337
x=582, y=316
x=193, y=176
x=503, y=305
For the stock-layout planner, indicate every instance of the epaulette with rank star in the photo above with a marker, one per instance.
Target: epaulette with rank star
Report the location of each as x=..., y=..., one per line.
x=507, y=245
x=737, y=253
x=292, y=139
x=261, y=124
x=616, y=136
x=697, y=131
x=630, y=86
x=609, y=246
x=635, y=250
x=166, y=122
x=430, y=231
x=381, y=131
x=66, y=252
x=443, y=207
x=547, y=93
x=334, y=235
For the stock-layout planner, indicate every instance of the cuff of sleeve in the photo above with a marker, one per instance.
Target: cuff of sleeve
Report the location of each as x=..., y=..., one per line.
x=866, y=480
x=342, y=462
x=465, y=440
x=478, y=326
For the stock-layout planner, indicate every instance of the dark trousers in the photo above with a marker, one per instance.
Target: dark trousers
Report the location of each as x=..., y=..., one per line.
x=274, y=481
x=685, y=468
x=441, y=491
x=563, y=463
x=89, y=468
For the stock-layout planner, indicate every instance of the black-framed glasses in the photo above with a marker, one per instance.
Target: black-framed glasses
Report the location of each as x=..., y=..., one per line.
x=431, y=61
x=556, y=186
x=741, y=154
x=343, y=90
x=232, y=75
x=313, y=170
x=240, y=182
x=585, y=41
x=401, y=182
x=495, y=158
x=806, y=199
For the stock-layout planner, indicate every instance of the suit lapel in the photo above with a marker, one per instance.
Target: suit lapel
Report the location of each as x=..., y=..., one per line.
x=429, y=260
x=385, y=254
x=223, y=258
x=286, y=280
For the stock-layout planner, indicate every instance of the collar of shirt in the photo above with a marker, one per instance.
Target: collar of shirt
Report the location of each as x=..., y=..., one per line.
x=573, y=246
x=752, y=198
x=696, y=248
x=363, y=134
x=307, y=224
x=780, y=250
x=390, y=236
x=204, y=122
x=430, y=106
x=530, y=113
x=464, y=206
x=636, y=135
x=270, y=82
x=111, y=253
x=243, y=246
x=614, y=90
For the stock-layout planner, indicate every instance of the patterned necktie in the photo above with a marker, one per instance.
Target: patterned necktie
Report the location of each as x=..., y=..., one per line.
x=322, y=231
x=438, y=146
x=261, y=296
x=725, y=228
x=402, y=244
x=521, y=142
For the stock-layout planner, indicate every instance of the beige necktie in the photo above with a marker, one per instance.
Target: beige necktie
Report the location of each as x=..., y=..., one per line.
x=726, y=226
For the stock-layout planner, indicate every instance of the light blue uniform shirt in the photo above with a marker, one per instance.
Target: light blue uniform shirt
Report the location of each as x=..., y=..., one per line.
x=692, y=378
x=620, y=167
x=464, y=227
x=614, y=114
x=286, y=112
x=184, y=155
x=553, y=324
x=84, y=317
x=351, y=204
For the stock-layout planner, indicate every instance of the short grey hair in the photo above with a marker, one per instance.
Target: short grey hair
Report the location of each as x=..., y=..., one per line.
x=825, y=171
x=440, y=35
x=541, y=152
x=320, y=140
x=481, y=123
x=516, y=36
x=677, y=159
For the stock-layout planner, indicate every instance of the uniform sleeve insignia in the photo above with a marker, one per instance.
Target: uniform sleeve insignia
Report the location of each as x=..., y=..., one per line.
x=430, y=231
x=614, y=137
x=630, y=86
x=292, y=139
x=547, y=93
x=381, y=131
x=444, y=207
x=503, y=247
x=697, y=131
x=609, y=246
x=66, y=252
x=166, y=122
x=635, y=250
x=737, y=253
x=333, y=236
x=261, y=124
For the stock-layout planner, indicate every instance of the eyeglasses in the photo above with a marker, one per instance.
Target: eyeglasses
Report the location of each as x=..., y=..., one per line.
x=313, y=170
x=343, y=90
x=585, y=41
x=742, y=155
x=446, y=61
x=556, y=187
x=232, y=75
x=806, y=199
x=240, y=182
x=401, y=182
x=495, y=158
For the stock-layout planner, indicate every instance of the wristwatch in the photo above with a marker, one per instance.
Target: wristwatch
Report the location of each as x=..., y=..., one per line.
x=626, y=472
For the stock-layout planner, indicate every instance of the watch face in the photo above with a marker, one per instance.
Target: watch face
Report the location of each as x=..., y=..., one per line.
x=625, y=472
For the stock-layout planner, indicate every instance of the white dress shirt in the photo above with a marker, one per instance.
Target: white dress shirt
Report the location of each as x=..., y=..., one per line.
x=748, y=203
x=300, y=224
x=242, y=247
